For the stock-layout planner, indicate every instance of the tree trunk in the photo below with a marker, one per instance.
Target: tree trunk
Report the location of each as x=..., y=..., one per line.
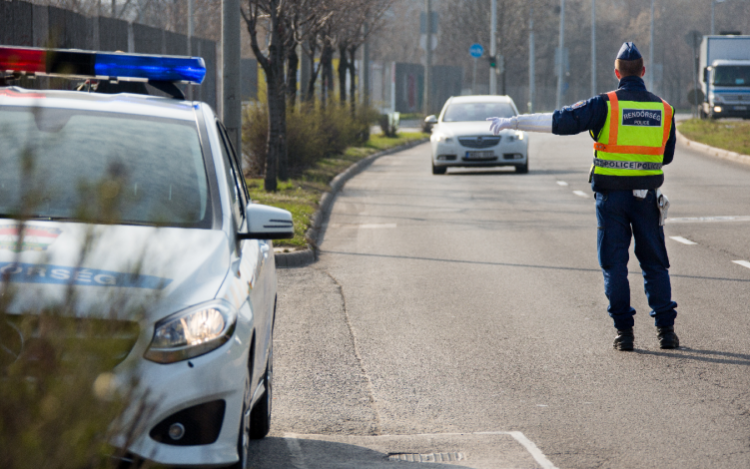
x=276, y=160
x=309, y=96
x=343, y=67
x=326, y=62
x=291, y=77
x=353, y=79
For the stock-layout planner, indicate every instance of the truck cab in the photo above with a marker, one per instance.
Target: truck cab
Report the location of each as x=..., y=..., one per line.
x=725, y=81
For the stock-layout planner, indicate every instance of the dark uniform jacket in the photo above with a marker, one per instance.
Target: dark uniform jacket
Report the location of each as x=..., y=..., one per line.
x=591, y=115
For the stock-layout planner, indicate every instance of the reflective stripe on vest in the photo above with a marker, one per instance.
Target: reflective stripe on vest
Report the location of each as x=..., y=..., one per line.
x=634, y=145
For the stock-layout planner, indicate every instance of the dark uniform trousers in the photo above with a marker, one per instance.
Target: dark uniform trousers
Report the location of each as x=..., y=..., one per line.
x=621, y=216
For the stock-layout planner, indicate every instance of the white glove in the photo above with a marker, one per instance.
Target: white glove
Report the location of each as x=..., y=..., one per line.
x=527, y=122
x=500, y=123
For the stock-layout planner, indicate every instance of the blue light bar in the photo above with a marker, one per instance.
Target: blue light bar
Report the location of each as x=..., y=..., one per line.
x=150, y=67
x=90, y=64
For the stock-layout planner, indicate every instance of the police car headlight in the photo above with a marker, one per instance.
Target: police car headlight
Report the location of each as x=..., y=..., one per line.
x=192, y=332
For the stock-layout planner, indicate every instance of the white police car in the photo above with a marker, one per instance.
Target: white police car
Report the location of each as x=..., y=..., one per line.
x=138, y=203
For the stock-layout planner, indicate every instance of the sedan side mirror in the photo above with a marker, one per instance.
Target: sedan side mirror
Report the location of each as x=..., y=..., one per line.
x=264, y=222
x=430, y=120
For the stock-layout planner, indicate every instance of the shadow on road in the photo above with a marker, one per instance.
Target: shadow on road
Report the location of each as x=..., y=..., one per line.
x=525, y=266
x=703, y=356
x=284, y=453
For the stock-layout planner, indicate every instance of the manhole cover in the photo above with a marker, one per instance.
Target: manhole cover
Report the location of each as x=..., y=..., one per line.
x=430, y=457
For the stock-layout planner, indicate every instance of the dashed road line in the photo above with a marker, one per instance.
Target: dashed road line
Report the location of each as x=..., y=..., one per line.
x=562, y=183
x=581, y=194
x=743, y=263
x=682, y=240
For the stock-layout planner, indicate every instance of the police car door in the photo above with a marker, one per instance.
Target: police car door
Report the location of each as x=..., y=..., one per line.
x=252, y=255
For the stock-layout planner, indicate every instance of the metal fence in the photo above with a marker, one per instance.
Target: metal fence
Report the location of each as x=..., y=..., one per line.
x=26, y=24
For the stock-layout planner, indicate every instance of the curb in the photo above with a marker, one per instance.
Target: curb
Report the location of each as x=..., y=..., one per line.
x=320, y=217
x=713, y=151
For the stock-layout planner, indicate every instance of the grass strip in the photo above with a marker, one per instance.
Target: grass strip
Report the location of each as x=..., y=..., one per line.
x=301, y=195
x=728, y=135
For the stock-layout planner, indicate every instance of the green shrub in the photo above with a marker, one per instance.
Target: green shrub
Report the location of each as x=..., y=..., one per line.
x=314, y=132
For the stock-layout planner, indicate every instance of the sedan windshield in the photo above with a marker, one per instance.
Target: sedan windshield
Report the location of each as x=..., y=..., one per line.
x=726, y=75
x=101, y=167
x=472, y=112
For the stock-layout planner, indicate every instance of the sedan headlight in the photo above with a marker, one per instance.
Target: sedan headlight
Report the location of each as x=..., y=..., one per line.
x=443, y=138
x=519, y=135
x=192, y=332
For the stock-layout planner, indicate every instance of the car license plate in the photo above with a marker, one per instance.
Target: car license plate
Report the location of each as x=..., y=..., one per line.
x=479, y=155
x=740, y=108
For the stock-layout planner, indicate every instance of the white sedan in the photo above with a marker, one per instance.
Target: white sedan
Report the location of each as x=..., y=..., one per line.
x=461, y=136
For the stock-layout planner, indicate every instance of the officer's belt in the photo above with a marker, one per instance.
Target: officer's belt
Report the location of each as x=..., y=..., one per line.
x=626, y=164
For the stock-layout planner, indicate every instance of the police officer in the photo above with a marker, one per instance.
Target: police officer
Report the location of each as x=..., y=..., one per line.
x=634, y=135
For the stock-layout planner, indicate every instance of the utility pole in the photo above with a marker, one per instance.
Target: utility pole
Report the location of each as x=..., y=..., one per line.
x=651, y=52
x=561, y=57
x=532, y=59
x=428, y=60
x=230, y=58
x=493, y=46
x=593, y=47
x=366, y=68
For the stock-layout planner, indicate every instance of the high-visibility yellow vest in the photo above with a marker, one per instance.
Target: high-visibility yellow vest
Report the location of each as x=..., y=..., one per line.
x=633, y=138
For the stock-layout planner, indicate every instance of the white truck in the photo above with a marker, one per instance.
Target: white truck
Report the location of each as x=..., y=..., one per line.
x=725, y=77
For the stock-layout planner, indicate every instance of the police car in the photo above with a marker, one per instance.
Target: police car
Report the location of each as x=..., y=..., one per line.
x=461, y=137
x=138, y=202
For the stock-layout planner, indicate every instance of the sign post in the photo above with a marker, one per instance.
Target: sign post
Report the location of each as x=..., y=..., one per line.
x=476, y=50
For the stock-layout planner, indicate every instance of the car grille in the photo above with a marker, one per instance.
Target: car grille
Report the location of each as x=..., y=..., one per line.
x=47, y=338
x=479, y=142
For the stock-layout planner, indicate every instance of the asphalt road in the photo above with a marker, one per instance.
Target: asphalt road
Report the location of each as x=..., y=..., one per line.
x=463, y=316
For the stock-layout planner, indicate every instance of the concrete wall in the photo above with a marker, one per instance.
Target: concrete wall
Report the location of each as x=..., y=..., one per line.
x=25, y=24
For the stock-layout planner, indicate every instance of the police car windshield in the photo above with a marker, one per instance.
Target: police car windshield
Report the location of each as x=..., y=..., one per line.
x=731, y=75
x=102, y=167
x=474, y=112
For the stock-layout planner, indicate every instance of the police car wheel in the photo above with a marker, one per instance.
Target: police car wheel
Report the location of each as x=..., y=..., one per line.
x=438, y=169
x=260, y=417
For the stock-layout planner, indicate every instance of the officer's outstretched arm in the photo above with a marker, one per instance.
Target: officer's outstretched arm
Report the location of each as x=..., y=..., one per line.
x=527, y=122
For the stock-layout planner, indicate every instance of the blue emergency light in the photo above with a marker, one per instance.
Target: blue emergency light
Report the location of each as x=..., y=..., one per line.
x=90, y=64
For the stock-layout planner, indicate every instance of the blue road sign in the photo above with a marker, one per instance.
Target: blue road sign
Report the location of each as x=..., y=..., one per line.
x=476, y=50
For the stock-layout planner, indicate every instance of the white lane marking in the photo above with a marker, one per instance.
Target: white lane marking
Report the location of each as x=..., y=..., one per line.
x=298, y=458
x=562, y=183
x=682, y=240
x=375, y=226
x=580, y=193
x=743, y=263
x=535, y=452
x=708, y=219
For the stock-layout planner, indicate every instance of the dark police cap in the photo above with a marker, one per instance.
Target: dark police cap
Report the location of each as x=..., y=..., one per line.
x=628, y=51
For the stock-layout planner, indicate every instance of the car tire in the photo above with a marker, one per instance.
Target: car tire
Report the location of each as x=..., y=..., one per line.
x=438, y=169
x=260, y=417
x=523, y=168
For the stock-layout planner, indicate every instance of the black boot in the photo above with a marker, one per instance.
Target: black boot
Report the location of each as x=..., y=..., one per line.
x=624, y=340
x=667, y=338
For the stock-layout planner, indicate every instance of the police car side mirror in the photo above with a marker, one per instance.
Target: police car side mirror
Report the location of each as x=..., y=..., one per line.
x=264, y=222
